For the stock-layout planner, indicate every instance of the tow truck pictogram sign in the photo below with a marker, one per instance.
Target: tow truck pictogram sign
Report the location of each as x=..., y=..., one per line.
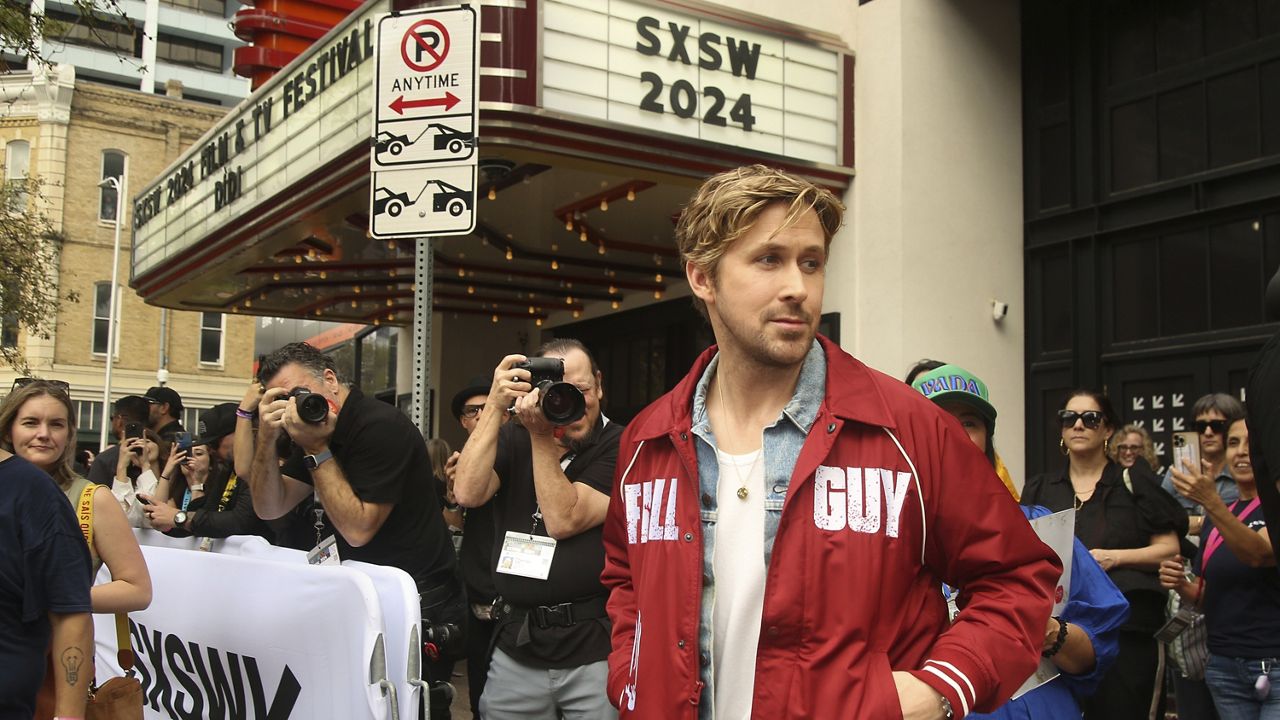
x=423, y=151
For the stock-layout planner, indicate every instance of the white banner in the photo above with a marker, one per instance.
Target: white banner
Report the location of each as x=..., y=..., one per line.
x=259, y=634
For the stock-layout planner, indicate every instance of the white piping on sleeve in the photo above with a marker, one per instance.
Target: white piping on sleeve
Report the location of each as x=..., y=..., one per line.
x=915, y=476
x=623, y=479
x=964, y=703
x=972, y=693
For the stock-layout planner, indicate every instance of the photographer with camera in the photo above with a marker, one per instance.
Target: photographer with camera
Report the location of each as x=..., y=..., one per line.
x=549, y=476
x=367, y=466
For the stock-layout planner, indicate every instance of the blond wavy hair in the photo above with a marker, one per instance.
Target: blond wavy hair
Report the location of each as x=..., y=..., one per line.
x=726, y=206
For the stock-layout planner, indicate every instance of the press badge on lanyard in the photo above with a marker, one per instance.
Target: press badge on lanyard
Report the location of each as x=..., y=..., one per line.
x=526, y=554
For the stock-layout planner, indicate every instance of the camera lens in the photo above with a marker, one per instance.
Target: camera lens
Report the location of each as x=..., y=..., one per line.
x=562, y=403
x=313, y=408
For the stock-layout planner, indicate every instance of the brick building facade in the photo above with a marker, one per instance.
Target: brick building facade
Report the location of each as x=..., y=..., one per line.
x=73, y=134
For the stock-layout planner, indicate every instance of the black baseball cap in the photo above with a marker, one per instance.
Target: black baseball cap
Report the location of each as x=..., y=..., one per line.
x=478, y=385
x=216, y=423
x=161, y=395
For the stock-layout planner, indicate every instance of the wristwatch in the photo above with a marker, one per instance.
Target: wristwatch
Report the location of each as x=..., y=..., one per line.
x=180, y=519
x=314, y=461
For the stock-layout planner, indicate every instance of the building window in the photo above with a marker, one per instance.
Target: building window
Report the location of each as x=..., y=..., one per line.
x=88, y=415
x=211, y=331
x=101, y=318
x=17, y=164
x=112, y=167
x=192, y=53
x=113, y=34
x=211, y=7
x=9, y=331
x=191, y=419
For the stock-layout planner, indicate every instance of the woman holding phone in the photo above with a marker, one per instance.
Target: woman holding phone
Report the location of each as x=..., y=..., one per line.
x=142, y=453
x=1129, y=525
x=1238, y=589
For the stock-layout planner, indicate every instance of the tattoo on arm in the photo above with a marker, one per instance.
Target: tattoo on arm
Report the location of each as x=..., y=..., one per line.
x=72, y=659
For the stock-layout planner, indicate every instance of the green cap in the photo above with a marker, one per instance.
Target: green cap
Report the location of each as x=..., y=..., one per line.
x=954, y=384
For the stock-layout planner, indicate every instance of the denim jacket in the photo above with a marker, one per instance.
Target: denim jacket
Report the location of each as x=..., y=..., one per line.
x=781, y=446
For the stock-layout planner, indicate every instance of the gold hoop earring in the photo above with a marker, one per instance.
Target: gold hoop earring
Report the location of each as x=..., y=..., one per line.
x=1062, y=445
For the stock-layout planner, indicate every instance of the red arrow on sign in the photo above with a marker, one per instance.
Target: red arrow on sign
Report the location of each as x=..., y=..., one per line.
x=448, y=101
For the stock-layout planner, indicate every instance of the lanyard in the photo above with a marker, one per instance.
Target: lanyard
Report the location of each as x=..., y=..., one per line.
x=1215, y=537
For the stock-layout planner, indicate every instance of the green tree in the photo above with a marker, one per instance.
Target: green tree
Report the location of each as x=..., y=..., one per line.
x=29, y=250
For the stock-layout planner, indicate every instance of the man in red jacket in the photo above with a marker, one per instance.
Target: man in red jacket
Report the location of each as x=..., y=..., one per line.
x=783, y=519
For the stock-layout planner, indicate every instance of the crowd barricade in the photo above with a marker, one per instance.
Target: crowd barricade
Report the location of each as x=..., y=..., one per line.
x=250, y=630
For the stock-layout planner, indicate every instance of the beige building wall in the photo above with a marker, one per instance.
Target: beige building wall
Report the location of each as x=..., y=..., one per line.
x=68, y=140
x=936, y=223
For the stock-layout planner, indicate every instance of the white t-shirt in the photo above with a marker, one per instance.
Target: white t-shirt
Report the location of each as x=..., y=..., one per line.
x=738, y=563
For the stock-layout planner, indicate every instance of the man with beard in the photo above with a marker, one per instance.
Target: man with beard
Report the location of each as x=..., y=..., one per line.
x=550, y=490
x=784, y=517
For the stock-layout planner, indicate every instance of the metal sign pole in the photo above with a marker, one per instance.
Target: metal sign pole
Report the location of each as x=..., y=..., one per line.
x=423, y=262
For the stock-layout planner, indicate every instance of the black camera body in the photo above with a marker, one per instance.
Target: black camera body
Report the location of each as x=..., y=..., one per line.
x=442, y=640
x=561, y=403
x=312, y=407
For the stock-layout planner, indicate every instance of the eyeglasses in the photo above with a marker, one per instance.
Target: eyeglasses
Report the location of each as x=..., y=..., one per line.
x=1219, y=426
x=61, y=386
x=1092, y=418
x=1129, y=448
x=470, y=411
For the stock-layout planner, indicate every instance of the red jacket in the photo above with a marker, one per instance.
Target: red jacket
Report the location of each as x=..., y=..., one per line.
x=843, y=607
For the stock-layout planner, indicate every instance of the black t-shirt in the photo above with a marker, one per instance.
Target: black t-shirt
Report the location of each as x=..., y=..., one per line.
x=1116, y=518
x=476, y=554
x=44, y=567
x=1241, y=603
x=385, y=460
x=578, y=561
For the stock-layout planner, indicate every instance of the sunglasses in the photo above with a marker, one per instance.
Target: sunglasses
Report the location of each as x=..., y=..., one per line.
x=1219, y=426
x=470, y=411
x=61, y=386
x=1092, y=418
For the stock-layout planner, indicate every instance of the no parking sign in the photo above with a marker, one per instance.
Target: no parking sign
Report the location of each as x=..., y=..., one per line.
x=424, y=148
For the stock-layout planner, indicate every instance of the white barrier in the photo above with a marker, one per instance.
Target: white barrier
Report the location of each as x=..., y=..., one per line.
x=250, y=630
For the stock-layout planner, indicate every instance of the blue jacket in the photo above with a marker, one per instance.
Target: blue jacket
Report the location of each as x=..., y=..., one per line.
x=1094, y=605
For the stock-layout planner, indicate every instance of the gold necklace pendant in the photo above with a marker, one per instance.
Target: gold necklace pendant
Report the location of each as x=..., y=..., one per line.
x=742, y=493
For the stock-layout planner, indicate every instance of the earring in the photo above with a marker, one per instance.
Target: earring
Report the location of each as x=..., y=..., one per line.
x=1062, y=445
x=1106, y=446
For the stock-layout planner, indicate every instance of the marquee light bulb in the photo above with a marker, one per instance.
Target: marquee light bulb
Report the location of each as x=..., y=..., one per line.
x=493, y=194
x=631, y=194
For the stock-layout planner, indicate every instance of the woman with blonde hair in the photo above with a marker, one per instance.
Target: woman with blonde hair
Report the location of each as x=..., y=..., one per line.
x=38, y=424
x=1133, y=442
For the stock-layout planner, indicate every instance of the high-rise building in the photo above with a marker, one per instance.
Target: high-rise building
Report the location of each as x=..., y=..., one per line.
x=155, y=46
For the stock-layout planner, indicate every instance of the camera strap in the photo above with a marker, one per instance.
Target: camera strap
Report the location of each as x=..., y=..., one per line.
x=318, y=509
